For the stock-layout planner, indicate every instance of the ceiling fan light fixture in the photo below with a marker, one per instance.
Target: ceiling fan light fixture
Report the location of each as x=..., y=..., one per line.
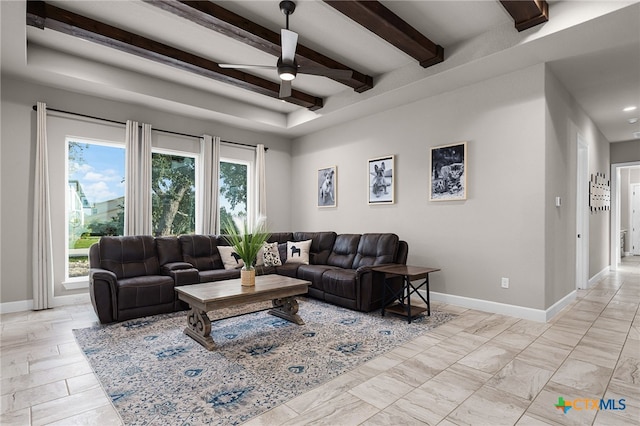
x=287, y=72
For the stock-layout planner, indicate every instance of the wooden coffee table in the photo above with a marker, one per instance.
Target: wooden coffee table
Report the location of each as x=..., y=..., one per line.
x=206, y=297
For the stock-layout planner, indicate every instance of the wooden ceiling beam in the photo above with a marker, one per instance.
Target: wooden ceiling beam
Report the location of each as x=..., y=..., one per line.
x=374, y=16
x=43, y=15
x=527, y=13
x=218, y=19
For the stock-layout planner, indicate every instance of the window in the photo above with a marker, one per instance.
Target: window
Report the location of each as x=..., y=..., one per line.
x=173, y=194
x=94, y=199
x=234, y=178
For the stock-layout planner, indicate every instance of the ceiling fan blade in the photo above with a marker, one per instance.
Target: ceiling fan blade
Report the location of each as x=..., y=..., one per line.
x=326, y=72
x=243, y=66
x=285, y=89
x=288, y=40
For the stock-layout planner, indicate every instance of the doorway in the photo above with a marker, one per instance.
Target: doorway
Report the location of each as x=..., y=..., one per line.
x=634, y=231
x=616, y=211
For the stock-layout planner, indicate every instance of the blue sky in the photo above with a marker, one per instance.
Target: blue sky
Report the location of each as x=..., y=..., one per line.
x=101, y=174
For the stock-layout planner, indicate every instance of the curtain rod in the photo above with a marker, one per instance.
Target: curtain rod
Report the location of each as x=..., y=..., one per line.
x=35, y=108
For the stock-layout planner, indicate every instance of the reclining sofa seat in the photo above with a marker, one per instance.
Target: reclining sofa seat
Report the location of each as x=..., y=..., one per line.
x=126, y=279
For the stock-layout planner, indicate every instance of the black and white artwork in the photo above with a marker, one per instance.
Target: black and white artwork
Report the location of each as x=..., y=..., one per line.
x=448, y=178
x=599, y=193
x=327, y=179
x=380, y=174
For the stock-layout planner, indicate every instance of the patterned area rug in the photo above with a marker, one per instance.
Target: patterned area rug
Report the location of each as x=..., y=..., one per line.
x=155, y=374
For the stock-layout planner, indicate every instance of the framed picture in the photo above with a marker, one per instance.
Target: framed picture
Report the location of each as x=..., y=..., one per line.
x=380, y=175
x=448, y=179
x=327, y=181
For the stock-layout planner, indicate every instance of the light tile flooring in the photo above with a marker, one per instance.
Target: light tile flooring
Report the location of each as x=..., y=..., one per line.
x=480, y=369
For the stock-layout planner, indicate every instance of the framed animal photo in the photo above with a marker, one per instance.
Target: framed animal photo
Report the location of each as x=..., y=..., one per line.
x=448, y=177
x=327, y=184
x=380, y=176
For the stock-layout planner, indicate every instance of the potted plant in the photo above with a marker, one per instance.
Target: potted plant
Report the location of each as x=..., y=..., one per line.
x=246, y=245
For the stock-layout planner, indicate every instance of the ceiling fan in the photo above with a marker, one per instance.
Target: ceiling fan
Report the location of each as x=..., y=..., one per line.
x=287, y=66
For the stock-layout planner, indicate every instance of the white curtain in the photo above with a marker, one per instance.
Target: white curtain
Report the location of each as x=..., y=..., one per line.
x=137, y=199
x=260, y=185
x=42, y=262
x=209, y=176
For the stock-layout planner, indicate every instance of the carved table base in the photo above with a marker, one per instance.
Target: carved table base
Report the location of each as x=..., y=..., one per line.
x=199, y=328
x=199, y=324
x=286, y=308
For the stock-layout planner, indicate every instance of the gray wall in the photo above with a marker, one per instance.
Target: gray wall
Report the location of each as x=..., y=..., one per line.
x=625, y=152
x=17, y=167
x=497, y=232
x=565, y=120
x=520, y=157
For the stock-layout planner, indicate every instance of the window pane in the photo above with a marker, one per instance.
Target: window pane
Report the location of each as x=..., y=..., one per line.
x=233, y=192
x=95, y=199
x=173, y=195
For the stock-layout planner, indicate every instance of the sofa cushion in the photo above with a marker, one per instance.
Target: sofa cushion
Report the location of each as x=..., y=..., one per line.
x=344, y=251
x=281, y=237
x=340, y=282
x=219, y=275
x=321, y=245
x=313, y=273
x=130, y=256
x=376, y=249
x=169, y=251
x=146, y=290
x=201, y=251
x=230, y=259
x=298, y=252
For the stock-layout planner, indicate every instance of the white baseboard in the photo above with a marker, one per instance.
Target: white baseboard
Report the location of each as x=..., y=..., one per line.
x=27, y=305
x=503, y=308
x=560, y=305
x=599, y=276
x=19, y=306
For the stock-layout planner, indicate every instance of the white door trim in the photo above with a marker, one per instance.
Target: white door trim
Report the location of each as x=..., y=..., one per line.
x=614, y=245
x=582, y=213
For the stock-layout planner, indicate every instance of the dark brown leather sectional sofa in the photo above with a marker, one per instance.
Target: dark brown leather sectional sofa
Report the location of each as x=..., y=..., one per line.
x=135, y=276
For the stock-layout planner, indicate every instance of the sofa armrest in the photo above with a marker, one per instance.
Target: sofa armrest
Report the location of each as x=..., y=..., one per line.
x=367, y=268
x=102, y=289
x=183, y=273
x=175, y=266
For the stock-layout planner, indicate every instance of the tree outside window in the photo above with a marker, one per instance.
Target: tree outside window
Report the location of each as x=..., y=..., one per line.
x=233, y=191
x=173, y=194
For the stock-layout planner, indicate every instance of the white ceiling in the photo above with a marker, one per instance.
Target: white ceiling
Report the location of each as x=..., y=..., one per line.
x=593, y=47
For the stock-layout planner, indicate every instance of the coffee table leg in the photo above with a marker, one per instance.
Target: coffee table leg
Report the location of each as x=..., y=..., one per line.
x=199, y=328
x=286, y=308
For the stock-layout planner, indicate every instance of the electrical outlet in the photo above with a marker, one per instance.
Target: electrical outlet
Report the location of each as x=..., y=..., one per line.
x=504, y=283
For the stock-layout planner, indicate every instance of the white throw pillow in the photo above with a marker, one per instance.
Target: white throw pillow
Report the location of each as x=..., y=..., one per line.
x=260, y=257
x=230, y=258
x=271, y=255
x=298, y=251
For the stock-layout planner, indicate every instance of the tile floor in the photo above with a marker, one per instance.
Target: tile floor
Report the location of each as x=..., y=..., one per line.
x=479, y=369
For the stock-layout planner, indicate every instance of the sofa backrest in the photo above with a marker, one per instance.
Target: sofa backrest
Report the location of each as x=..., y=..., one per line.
x=344, y=250
x=169, y=250
x=280, y=237
x=201, y=251
x=130, y=256
x=403, y=252
x=376, y=249
x=321, y=245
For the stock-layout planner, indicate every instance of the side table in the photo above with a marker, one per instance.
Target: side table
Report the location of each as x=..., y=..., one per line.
x=403, y=295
